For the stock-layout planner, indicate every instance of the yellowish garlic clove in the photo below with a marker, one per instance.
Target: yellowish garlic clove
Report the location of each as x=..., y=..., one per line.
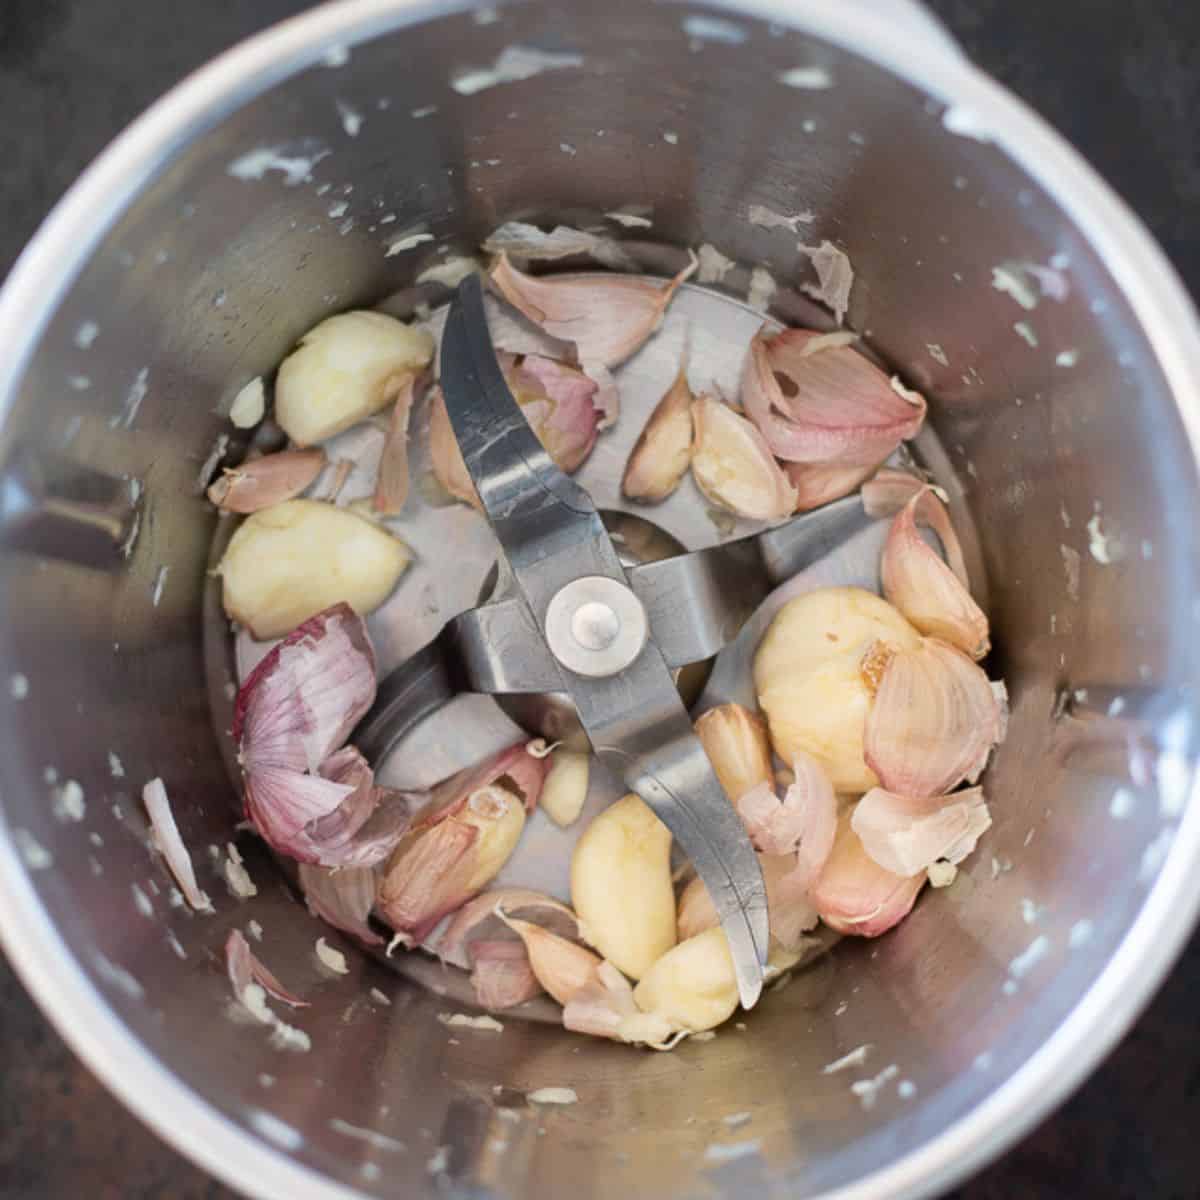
x=907, y=835
x=934, y=595
x=808, y=673
x=560, y=966
x=289, y=562
x=692, y=987
x=621, y=886
x=344, y=370
x=735, y=740
x=604, y=1007
x=249, y=404
x=933, y=722
x=263, y=482
x=663, y=451
x=391, y=487
x=607, y=319
x=565, y=790
x=733, y=466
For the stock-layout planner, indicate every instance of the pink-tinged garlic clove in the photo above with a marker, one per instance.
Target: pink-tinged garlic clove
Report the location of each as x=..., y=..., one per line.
x=344, y=370
x=933, y=595
x=501, y=975
x=819, y=402
x=391, y=486
x=607, y=319
x=263, y=482
x=733, y=466
x=817, y=485
x=481, y=919
x=663, y=451
x=907, y=835
x=245, y=969
x=342, y=898
x=890, y=489
x=735, y=740
x=561, y=966
x=855, y=895
x=933, y=722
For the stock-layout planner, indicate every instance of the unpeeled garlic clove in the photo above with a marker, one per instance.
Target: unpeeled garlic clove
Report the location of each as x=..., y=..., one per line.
x=855, y=895
x=344, y=369
x=934, y=595
x=934, y=721
x=663, y=451
x=809, y=679
x=261, y=482
x=484, y=918
x=621, y=886
x=819, y=403
x=560, y=966
x=342, y=898
x=817, y=485
x=391, y=487
x=288, y=562
x=607, y=319
x=565, y=790
x=907, y=835
x=733, y=466
x=890, y=489
x=692, y=987
x=735, y=740
x=501, y=975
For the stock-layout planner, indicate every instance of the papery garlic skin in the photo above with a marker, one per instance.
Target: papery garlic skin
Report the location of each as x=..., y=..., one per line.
x=565, y=791
x=621, y=886
x=391, y=486
x=289, y=562
x=733, y=466
x=809, y=678
x=907, y=835
x=560, y=966
x=262, y=482
x=735, y=740
x=344, y=370
x=663, y=451
x=692, y=987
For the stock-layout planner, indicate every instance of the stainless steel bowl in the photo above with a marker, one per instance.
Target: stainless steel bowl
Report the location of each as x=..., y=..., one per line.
x=1076, y=456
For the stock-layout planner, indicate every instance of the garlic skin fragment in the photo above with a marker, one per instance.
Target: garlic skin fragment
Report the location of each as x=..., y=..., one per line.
x=342, y=898
x=565, y=790
x=621, y=886
x=287, y=563
x=262, y=482
x=907, y=835
x=560, y=966
x=501, y=975
x=733, y=466
x=663, y=452
x=809, y=676
x=391, y=487
x=735, y=740
x=344, y=370
x=486, y=918
x=692, y=987
x=169, y=844
x=607, y=319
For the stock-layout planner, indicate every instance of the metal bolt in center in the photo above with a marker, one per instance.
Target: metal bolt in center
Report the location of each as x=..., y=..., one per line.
x=595, y=626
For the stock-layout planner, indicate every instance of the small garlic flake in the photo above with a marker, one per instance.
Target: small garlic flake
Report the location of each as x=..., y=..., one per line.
x=738, y=1119
x=553, y=1095
x=335, y=960
x=255, y=930
x=937, y=353
x=141, y=901
x=378, y=996
x=1024, y=331
x=160, y=582
x=768, y=218
x=1080, y=934
x=1122, y=803
x=855, y=1058
x=723, y=1152
x=714, y=266
x=116, y=768
x=407, y=243
x=237, y=878
x=809, y=79
x=670, y=137
x=1066, y=358
x=867, y=1090
x=69, y=803
x=439, y=1160
x=36, y=856
x=942, y=874
x=463, y=1021
x=86, y=334
x=18, y=686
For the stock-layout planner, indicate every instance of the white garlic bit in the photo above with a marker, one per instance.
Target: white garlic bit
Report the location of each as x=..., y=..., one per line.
x=552, y=1095
x=335, y=960
x=566, y=787
x=249, y=404
x=463, y=1021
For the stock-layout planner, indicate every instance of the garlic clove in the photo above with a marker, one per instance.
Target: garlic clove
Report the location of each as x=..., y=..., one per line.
x=501, y=975
x=301, y=702
x=288, y=562
x=449, y=469
x=342, y=898
x=906, y=835
x=692, y=987
x=932, y=594
x=621, y=886
x=499, y=815
x=934, y=721
x=560, y=966
x=604, y=1007
x=481, y=919
x=816, y=484
x=249, y=404
x=663, y=451
x=607, y=319
x=890, y=489
x=855, y=895
x=344, y=369
x=244, y=968
x=733, y=466
x=170, y=845
x=391, y=487
x=517, y=769
x=565, y=790
x=818, y=401
x=810, y=682
x=262, y=482
x=735, y=740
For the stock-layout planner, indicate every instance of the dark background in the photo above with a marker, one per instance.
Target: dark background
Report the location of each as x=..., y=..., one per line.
x=1119, y=78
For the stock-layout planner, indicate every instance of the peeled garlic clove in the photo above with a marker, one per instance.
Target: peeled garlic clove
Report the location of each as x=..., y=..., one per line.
x=607, y=319
x=810, y=682
x=855, y=895
x=906, y=835
x=733, y=467
x=621, y=886
x=565, y=790
x=249, y=404
x=559, y=965
x=692, y=987
x=265, y=481
x=391, y=488
x=735, y=740
x=695, y=911
x=817, y=401
x=934, y=721
x=288, y=562
x=932, y=594
x=342, y=898
x=501, y=975
x=244, y=968
x=482, y=919
x=663, y=451
x=346, y=368
x=817, y=485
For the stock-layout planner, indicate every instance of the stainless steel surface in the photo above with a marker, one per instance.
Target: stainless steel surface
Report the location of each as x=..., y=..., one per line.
x=206, y=278
x=554, y=543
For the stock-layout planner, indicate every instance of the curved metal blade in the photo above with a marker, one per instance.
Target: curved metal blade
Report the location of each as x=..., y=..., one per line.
x=551, y=535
